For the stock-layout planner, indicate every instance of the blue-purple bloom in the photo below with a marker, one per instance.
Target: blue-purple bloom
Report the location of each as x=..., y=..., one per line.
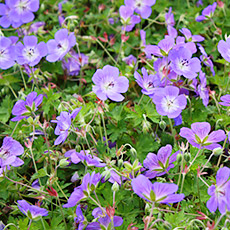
x=142, y=7
x=206, y=59
x=73, y=64
x=103, y=220
x=225, y=100
x=30, y=53
x=7, y=53
x=9, y=152
x=224, y=49
x=127, y=18
x=160, y=163
x=191, y=38
x=63, y=124
x=169, y=18
x=89, y=183
x=130, y=60
x=22, y=109
x=207, y=12
x=168, y=101
x=202, y=89
x=183, y=64
x=162, y=49
x=199, y=137
x=220, y=192
x=80, y=219
x=31, y=211
x=60, y=46
x=147, y=82
x=108, y=84
x=17, y=12
x=84, y=157
x=162, y=193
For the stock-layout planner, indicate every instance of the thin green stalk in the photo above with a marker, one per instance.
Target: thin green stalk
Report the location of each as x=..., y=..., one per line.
x=12, y=90
x=107, y=52
x=198, y=189
x=194, y=158
x=29, y=224
x=172, y=130
x=104, y=127
x=188, y=3
x=219, y=160
x=43, y=224
x=204, y=182
x=35, y=166
x=150, y=216
x=10, y=224
x=24, y=82
x=61, y=190
x=98, y=204
x=14, y=128
x=61, y=209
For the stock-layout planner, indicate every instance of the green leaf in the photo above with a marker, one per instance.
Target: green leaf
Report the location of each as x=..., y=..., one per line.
x=41, y=173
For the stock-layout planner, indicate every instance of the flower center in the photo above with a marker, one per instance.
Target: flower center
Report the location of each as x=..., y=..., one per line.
x=2, y=53
x=109, y=86
x=22, y=5
x=184, y=64
x=170, y=103
x=138, y=4
x=4, y=153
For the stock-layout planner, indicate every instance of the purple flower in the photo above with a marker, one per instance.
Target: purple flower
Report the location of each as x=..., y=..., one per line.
x=89, y=183
x=180, y=43
x=60, y=46
x=9, y=151
x=142, y=7
x=164, y=72
x=199, y=3
x=172, y=32
x=202, y=89
x=169, y=17
x=74, y=63
x=7, y=53
x=168, y=101
x=103, y=220
x=225, y=100
x=199, y=136
x=183, y=64
x=79, y=220
x=22, y=109
x=31, y=211
x=30, y=53
x=35, y=27
x=5, y=20
x=207, y=13
x=156, y=192
x=147, y=82
x=220, y=192
x=63, y=124
x=108, y=84
x=161, y=163
x=224, y=49
x=84, y=157
x=21, y=11
x=178, y=120
x=127, y=18
x=191, y=38
x=206, y=59
x=36, y=184
x=130, y=60
x=162, y=49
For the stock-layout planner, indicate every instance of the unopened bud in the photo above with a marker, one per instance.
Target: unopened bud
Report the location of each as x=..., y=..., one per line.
x=78, y=148
x=128, y=166
x=218, y=151
x=115, y=187
x=75, y=177
x=120, y=163
x=63, y=163
x=187, y=157
x=162, y=125
x=133, y=152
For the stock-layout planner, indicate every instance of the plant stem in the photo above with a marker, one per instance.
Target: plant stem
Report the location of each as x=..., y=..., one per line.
x=106, y=138
x=61, y=190
x=150, y=216
x=35, y=166
x=24, y=82
x=12, y=90
x=43, y=224
x=194, y=158
x=14, y=128
x=62, y=212
x=29, y=224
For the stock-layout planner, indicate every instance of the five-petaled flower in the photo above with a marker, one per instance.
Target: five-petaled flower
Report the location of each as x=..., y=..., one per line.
x=108, y=84
x=199, y=136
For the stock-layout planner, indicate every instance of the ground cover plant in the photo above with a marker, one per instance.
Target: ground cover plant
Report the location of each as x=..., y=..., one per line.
x=114, y=114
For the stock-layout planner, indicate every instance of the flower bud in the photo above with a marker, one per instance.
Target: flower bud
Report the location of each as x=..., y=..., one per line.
x=106, y=175
x=128, y=166
x=63, y=163
x=115, y=187
x=75, y=177
x=218, y=151
x=162, y=125
x=120, y=163
x=133, y=152
x=187, y=157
